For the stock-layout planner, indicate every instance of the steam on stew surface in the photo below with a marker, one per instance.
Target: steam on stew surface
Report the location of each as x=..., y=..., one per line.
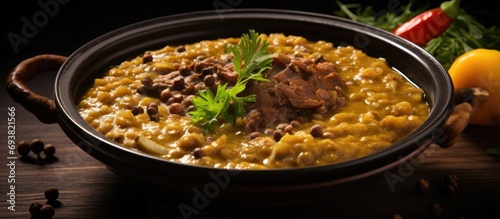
x=261, y=101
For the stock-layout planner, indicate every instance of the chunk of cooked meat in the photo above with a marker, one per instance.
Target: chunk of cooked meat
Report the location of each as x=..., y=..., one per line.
x=297, y=88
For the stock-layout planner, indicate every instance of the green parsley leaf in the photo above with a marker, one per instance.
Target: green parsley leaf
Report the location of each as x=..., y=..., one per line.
x=386, y=20
x=493, y=151
x=464, y=34
x=250, y=60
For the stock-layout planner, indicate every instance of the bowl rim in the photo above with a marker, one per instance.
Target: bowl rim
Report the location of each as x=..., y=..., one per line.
x=66, y=105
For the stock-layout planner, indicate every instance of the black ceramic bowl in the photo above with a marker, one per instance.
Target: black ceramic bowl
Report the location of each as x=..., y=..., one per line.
x=284, y=186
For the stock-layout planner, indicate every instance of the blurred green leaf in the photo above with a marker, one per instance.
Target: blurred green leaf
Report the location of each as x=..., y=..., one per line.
x=494, y=151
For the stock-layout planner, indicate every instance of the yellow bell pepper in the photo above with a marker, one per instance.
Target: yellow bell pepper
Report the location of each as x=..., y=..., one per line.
x=480, y=68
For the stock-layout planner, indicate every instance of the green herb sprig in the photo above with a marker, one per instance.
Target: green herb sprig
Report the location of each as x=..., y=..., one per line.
x=464, y=34
x=386, y=20
x=250, y=59
x=494, y=151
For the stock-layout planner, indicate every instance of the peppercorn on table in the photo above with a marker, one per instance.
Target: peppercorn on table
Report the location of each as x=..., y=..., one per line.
x=87, y=189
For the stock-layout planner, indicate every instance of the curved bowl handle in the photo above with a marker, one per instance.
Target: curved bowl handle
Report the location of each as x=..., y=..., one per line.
x=466, y=100
x=42, y=107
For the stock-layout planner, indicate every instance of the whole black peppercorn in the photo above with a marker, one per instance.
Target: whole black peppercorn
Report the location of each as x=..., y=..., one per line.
x=136, y=110
x=451, y=179
x=152, y=110
x=450, y=183
x=422, y=185
x=180, y=49
x=281, y=126
x=147, y=57
x=328, y=135
x=178, y=83
x=450, y=189
x=396, y=216
x=295, y=124
x=49, y=150
x=142, y=90
x=316, y=131
x=165, y=94
x=23, y=148
x=254, y=135
x=176, y=108
x=35, y=208
x=277, y=135
x=435, y=210
x=177, y=98
x=118, y=138
x=209, y=80
x=147, y=82
x=185, y=70
x=268, y=131
x=36, y=146
x=154, y=117
x=289, y=129
x=47, y=212
x=198, y=153
x=51, y=194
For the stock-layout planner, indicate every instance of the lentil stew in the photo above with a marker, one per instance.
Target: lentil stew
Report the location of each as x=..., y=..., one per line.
x=343, y=105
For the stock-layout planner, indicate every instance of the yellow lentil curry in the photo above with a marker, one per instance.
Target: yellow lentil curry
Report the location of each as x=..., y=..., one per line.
x=143, y=104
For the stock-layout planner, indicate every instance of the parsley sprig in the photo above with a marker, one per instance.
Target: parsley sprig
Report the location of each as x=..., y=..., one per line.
x=386, y=20
x=250, y=60
x=464, y=34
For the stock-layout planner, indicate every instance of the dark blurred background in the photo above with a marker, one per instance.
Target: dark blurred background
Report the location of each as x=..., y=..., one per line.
x=71, y=23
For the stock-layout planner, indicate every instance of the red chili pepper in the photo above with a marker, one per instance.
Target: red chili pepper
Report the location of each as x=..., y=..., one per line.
x=429, y=24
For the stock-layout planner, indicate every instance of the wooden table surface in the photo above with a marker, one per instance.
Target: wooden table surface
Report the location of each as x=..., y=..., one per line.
x=89, y=190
